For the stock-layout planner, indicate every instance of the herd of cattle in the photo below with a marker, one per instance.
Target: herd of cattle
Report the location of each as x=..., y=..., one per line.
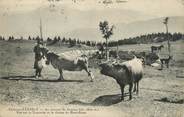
x=129, y=72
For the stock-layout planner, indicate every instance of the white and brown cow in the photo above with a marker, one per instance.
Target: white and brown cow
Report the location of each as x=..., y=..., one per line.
x=70, y=61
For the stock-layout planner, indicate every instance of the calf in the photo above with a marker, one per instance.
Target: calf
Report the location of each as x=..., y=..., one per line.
x=165, y=61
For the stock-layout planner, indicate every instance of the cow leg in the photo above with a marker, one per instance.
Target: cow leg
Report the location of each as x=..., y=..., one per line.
x=158, y=49
x=61, y=75
x=134, y=87
x=137, y=88
x=130, y=90
x=40, y=72
x=91, y=76
x=162, y=64
x=122, y=91
x=89, y=73
x=167, y=63
x=36, y=73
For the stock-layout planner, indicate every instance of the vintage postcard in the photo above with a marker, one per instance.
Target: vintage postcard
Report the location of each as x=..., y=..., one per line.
x=91, y=58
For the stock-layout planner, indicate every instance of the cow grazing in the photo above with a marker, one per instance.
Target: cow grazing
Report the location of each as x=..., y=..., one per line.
x=156, y=48
x=69, y=61
x=127, y=73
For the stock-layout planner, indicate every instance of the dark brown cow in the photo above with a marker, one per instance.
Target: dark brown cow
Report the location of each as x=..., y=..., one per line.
x=126, y=73
x=156, y=48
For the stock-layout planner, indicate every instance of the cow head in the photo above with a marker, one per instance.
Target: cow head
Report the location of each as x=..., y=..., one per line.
x=44, y=52
x=106, y=68
x=162, y=46
x=50, y=57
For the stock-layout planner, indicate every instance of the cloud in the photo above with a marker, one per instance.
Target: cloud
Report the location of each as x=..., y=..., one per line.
x=19, y=6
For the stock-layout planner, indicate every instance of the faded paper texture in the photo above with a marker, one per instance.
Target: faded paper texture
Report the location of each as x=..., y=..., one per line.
x=72, y=49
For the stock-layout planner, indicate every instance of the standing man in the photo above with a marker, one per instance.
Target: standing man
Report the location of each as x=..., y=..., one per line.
x=38, y=56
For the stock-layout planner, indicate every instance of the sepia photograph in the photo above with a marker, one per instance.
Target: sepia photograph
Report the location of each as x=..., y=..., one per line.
x=91, y=58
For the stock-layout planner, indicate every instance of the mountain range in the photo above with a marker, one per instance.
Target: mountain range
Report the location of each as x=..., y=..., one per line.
x=122, y=30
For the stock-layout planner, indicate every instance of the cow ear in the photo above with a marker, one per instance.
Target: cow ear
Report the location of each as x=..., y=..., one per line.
x=117, y=66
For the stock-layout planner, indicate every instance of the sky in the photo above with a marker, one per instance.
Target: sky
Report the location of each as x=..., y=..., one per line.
x=73, y=15
x=154, y=7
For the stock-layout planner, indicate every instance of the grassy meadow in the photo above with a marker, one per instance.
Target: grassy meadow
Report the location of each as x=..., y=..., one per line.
x=161, y=91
